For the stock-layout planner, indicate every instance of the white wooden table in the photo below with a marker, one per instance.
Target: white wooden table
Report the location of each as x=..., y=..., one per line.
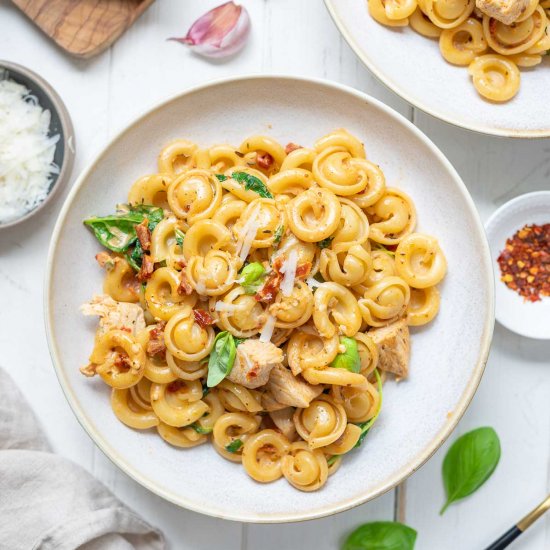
x=295, y=37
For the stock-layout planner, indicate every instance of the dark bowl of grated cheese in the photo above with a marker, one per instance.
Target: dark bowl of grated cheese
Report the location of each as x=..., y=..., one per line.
x=36, y=143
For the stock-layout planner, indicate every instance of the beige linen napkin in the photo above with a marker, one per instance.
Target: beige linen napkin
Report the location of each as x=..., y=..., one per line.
x=49, y=503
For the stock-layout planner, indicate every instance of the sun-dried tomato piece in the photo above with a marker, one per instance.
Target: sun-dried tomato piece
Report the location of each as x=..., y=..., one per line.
x=144, y=234
x=291, y=147
x=269, y=290
x=264, y=160
x=203, y=318
x=147, y=268
x=184, y=286
x=303, y=270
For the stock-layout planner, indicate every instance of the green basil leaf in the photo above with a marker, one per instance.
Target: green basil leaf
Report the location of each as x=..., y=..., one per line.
x=234, y=446
x=221, y=177
x=252, y=183
x=200, y=430
x=238, y=341
x=221, y=359
x=350, y=359
x=469, y=463
x=118, y=231
x=251, y=277
x=135, y=256
x=279, y=234
x=379, y=246
x=332, y=459
x=366, y=426
x=180, y=235
x=381, y=535
x=325, y=243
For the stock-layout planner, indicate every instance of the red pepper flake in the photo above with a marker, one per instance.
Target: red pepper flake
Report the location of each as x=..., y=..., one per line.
x=525, y=262
x=147, y=268
x=291, y=147
x=264, y=160
x=303, y=270
x=203, y=318
x=144, y=235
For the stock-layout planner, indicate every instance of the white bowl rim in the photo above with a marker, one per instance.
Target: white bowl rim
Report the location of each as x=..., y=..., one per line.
x=398, y=476
x=369, y=63
x=491, y=223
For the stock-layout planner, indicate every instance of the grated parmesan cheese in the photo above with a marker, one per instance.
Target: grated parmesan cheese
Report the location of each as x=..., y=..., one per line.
x=289, y=269
x=247, y=235
x=230, y=308
x=26, y=151
x=268, y=328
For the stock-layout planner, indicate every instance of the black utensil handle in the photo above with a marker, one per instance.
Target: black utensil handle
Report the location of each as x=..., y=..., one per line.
x=506, y=539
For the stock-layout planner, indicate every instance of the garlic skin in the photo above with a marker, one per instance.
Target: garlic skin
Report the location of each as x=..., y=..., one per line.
x=221, y=32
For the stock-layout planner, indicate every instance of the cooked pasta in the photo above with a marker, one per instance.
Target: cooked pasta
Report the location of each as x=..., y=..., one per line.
x=258, y=297
x=493, y=38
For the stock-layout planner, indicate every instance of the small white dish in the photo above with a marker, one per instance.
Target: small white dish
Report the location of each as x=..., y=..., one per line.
x=412, y=66
x=531, y=319
x=448, y=356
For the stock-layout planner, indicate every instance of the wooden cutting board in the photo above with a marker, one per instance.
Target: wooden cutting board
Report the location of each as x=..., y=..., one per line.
x=83, y=28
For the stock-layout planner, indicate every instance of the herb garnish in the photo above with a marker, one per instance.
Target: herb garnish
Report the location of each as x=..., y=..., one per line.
x=252, y=183
x=234, y=446
x=325, y=243
x=252, y=277
x=381, y=535
x=221, y=358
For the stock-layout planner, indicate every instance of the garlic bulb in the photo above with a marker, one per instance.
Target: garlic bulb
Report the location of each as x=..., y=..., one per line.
x=221, y=32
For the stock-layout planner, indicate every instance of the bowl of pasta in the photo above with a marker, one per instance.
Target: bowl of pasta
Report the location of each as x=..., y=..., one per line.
x=257, y=270
x=477, y=64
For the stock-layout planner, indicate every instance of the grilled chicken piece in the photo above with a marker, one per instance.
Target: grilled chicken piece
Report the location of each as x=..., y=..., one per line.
x=254, y=362
x=393, y=342
x=270, y=404
x=283, y=420
x=506, y=11
x=289, y=390
x=115, y=315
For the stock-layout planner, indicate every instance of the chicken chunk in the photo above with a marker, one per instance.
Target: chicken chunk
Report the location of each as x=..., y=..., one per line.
x=283, y=420
x=289, y=390
x=115, y=315
x=506, y=11
x=254, y=362
x=270, y=404
x=393, y=342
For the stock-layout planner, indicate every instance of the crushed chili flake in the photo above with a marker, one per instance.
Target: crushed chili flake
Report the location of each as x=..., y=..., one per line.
x=203, y=318
x=525, y=262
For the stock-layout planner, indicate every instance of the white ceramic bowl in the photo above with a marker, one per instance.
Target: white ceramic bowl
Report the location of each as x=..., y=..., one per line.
x=530, y=319
x=411, y=65
x=448, y=356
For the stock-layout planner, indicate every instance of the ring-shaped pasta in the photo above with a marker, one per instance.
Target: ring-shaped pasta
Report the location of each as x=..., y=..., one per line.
x=186, y=339
x=343, y=139
x=291, y=181
x=120, y=282
x=306, y=349
x=447, y=14
x=162, y=296
x=397, y=10
x=215, y=410
x=150, y=190
x=264, y=216
x=206, y=235
x=419, y=260
x=131, y=413
x=383, y=265
x=186, y=370
x=213, y=274
x=223, y=157
x=385, y=301
x=360, y=403
x=336, y=170
x=176, y=157
x=423, y=306
x=306, y=253
x=348, y=268
x=368, y=353
x=515, y=38
x=195, y=195
x=262, y=455
x=294, y=310
x=230, y=427
x=229, y=211
x=346, y=442
x=242, y=315
x=376, y=183
x=314, y=214
x=333, y=376
x=461, y=45
x=378, y=13
x=353, y=228
x=495, y=77
x=264, y=144
x=299, y=158
x=392, y=217
x=171, y=404
x=335, y=309
x=184, y=437
x=237, y=398
x=321, y=423
x=164, y=245
x=120, y=359
x=304, y=468
x=422, y=24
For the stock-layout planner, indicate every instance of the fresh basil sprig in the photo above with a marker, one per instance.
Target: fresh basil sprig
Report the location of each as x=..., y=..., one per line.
x=199, y=429
x=350, y=359
x=469, y=463
x=234, y=446
x=221, y=177
x=118, y=231
x=252, y=183
x=381, y=535
x=252, y=277
x=325, y=243
x=221, y=358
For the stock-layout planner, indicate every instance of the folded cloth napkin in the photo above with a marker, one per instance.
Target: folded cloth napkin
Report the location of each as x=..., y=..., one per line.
x=49, y=503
